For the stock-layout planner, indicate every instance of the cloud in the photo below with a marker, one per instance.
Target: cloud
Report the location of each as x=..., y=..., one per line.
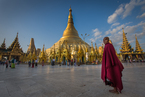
x=112, y=18
x=140, y=35
x=141, y=16
x=115, y=24
x=114, y=30
x=92, y=39
x=116, y=34
x=131, y=5
x=96, y=32
x=96, y=35
x=143, y=8
x=124, y=10
x=132, y=29
x=131, y=41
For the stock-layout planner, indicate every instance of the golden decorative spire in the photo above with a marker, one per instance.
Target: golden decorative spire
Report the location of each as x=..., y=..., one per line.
x=70, y=30
x=43, y=55
x=137, y=46
x=43, y=48
x=17, y=34
x=125, y=45
x=3, y=46
x=96, y=50
x=92, y=47
x=110, y=41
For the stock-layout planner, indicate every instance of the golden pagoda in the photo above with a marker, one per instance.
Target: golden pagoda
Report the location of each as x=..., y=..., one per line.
x=127, y=52
x=137, y=46
x=3, y=46
x=125, y=45
x=70, y=46
x=43, y=55
x=13, y=51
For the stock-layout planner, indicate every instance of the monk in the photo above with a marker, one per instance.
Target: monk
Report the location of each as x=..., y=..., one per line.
x=111, y=68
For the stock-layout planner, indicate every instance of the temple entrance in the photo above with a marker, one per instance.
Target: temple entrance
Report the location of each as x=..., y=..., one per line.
x=56, y=59
x=16, y=57
x=126, y=57
x=82, y=59
x=64, y=60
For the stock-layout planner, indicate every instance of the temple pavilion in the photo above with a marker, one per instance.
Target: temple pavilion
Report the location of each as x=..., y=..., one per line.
x=13, y=51
x=127, y=52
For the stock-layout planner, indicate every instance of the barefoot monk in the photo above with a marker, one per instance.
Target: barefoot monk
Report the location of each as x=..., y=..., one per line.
x=111, y=67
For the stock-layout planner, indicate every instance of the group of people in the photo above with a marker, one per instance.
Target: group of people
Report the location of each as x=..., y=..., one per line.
x=69, y=62
x=10, y=63
x=34, y=63
x=66, y=62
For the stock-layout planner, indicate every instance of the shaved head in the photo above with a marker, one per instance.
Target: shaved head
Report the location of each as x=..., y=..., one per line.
x=106, y=40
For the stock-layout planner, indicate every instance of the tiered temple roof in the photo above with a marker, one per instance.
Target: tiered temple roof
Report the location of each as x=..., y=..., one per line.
x=125, y=47
x=137, y=46
x=3, y=46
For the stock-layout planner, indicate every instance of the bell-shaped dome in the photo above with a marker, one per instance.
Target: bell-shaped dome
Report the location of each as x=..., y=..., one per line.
x=70, y=30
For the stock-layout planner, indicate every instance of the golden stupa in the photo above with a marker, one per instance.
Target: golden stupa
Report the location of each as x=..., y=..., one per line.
x=71, y=46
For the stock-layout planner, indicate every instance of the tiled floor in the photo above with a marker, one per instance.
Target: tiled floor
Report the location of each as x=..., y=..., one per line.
x=70, y=81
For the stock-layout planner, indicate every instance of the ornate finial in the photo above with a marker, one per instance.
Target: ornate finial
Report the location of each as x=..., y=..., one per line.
x=4, y=40
x=70, y=8
x=135, y=36
x=123, y=30
x=17, y=34
x=91, y=43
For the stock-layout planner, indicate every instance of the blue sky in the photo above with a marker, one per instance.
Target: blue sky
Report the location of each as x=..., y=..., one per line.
x=45, y=20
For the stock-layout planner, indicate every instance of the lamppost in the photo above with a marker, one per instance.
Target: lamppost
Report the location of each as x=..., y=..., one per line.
x=84, y=36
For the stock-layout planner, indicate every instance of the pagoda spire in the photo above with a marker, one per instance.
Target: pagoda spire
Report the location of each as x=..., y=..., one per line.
x=92, y=47
x=137, y=46
x=3, y=46
x=125, y=45
x=31, y=47
x=70, y=30
x=14, y=42
x=96, y=48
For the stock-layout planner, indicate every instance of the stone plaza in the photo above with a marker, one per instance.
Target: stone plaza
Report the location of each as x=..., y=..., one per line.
x=68, y=81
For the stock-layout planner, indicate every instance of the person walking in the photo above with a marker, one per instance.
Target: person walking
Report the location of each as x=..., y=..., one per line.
x=42, y=62
x=74, y=62
x=36, y=62
x=13, y=63
x=32, y=63
x=112, y=68
x=7, y=63
x=66, y=62
x=29, y=63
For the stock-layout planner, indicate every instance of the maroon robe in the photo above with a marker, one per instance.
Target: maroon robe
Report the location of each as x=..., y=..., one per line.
x=111, y=67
